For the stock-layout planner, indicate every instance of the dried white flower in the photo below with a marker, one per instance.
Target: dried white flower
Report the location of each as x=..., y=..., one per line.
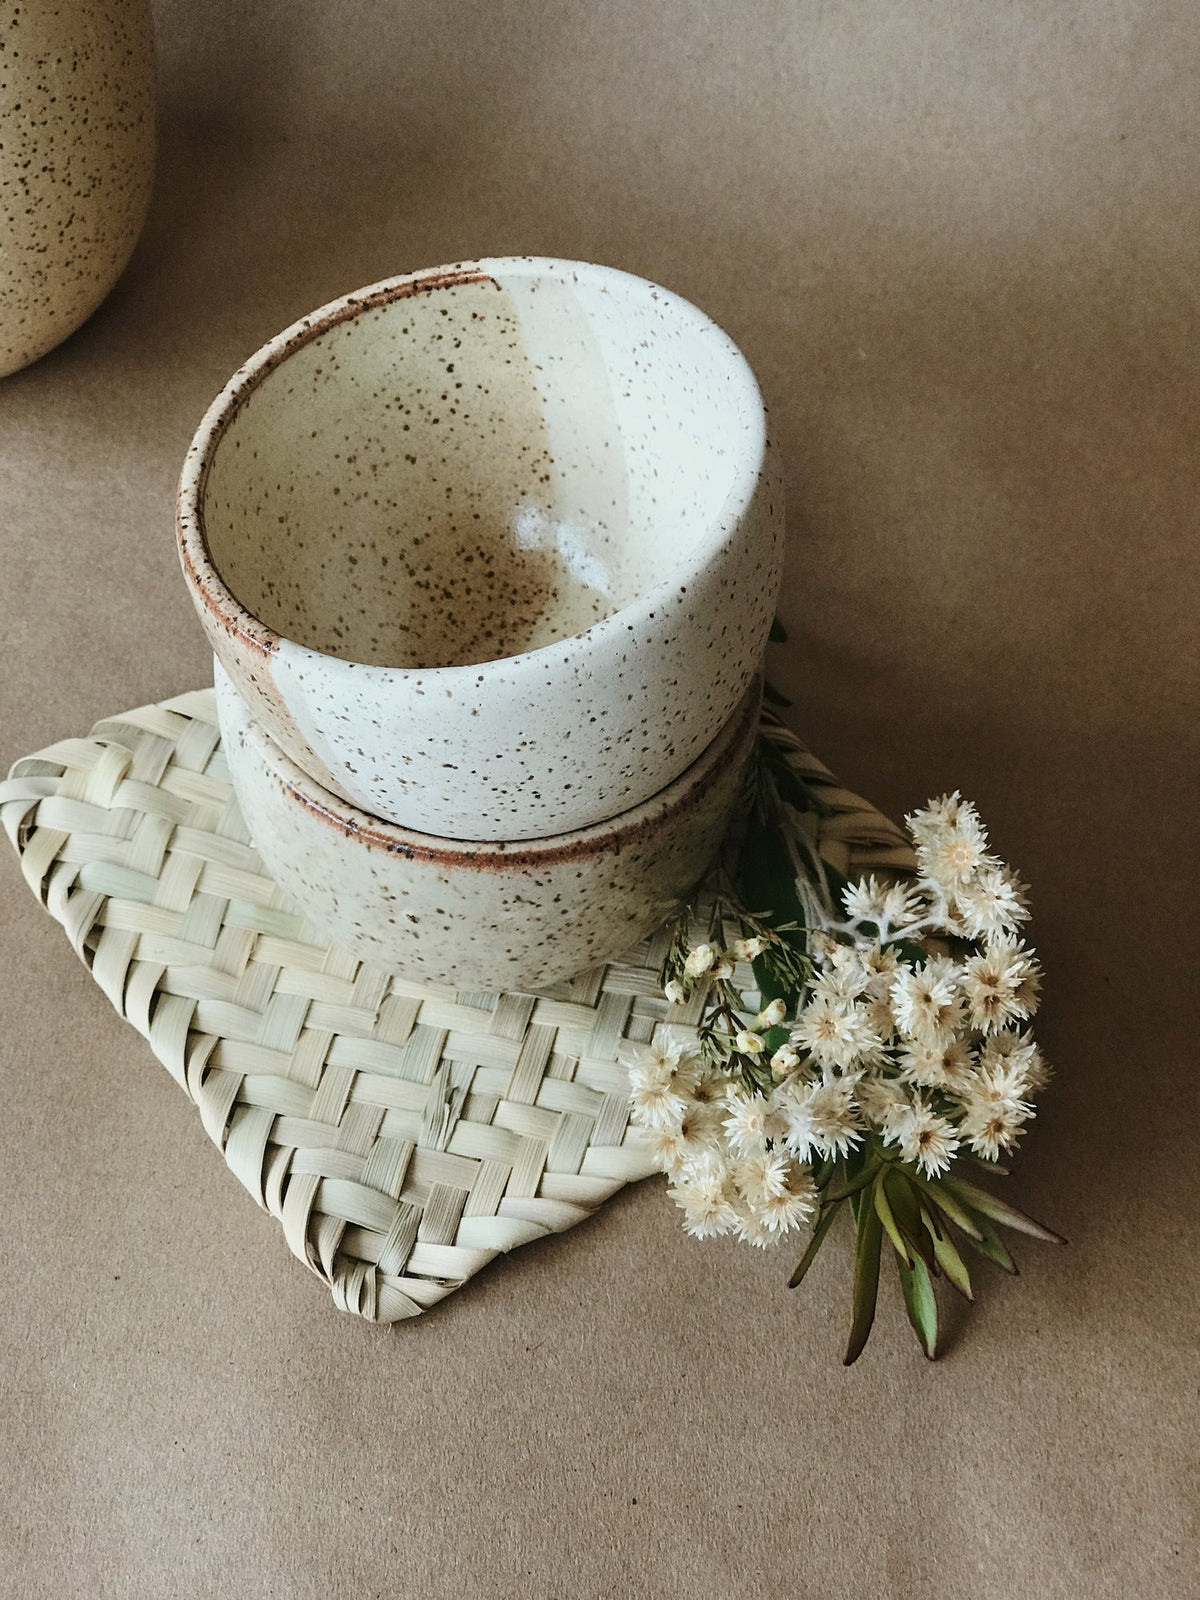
x=834, y=1034
x=655, y=1104
x=992, y=1127
x=1039, y=1075
x=835, y=1116
x=864, y=901
x=924, y=1137
x=791, y=1208
x=1001, y=984
x=752, y=1230
x=710, y=1088
x=1009, y=1044
x=662, y=1076
x=1001, y=1079
x=939, y=1066
x=762, y=1175
x=705, y=1192
x=878, y=967
x=903, y=905
x=748, y=1123
x=926, y=1001
x=883, y=1101
x=993, y=904
x=951, y=843
x=819, y=1118
x=674, y=1145
x=927, y=1060
x=841, y=981
x=889, y=906
x=951, y=811
x=882, y=1018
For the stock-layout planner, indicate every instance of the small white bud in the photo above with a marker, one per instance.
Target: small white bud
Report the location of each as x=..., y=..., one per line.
x=700, y=960
x=749, y=949
x=771, y=1016
x=750, y=1044
x=784, y=1060
x=675, y=992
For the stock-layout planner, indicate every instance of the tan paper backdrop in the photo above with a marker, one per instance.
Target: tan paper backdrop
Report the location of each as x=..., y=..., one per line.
x=958, y=241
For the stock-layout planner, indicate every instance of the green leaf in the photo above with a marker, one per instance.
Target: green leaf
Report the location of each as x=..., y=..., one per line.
x=824, y=1223
x=909, y=951
x=778, y=633
x=792, y=787
x=773, y=1039
x=947, y=1204
x=1007, y=1216
x=852, y=1185
x=992, y=1247
x=884, y=1211
x=907, y=1210
x=921, y=1304
x=948, y=1258
x=770, y=985
x=768, y=877
x=774, y=696
x=993, y=1168
x=866, y=1281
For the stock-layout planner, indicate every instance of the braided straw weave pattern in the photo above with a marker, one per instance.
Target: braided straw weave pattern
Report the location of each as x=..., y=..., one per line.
x=403, y=1134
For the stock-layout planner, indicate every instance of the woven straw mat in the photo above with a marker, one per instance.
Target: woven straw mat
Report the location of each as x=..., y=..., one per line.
x=402, y=1134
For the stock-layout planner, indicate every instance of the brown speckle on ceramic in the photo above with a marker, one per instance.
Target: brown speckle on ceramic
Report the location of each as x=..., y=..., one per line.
x=77, y=138
x=490, y=551
x=488, y=915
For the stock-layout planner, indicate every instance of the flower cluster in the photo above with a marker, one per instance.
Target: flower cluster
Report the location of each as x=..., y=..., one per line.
x=729, y=1171
x=898, y=1034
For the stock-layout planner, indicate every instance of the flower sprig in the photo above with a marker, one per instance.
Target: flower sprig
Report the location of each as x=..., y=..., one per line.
x=858, y=1045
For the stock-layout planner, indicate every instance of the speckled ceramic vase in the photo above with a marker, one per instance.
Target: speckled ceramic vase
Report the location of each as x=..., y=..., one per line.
x=482, y=915
x=77, y=141
x=490, y=551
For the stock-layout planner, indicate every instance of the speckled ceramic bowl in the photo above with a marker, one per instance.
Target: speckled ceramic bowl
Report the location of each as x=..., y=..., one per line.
x=490, y=551
x=77, y=140
x=482, y=915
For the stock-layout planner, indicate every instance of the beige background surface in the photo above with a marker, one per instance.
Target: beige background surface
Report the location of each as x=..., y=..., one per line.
x=959, y=243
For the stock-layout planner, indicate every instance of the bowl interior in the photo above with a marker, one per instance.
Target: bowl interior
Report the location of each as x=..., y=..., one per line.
x=465, y=466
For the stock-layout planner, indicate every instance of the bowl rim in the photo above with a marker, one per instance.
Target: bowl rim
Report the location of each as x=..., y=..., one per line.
x=200, y=569
x=349, y=820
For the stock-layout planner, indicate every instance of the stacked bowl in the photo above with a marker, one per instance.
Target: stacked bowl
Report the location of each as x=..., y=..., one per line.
x=488, y=557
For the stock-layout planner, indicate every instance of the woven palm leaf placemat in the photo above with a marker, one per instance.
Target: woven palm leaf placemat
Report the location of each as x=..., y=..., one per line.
x=402, y=1134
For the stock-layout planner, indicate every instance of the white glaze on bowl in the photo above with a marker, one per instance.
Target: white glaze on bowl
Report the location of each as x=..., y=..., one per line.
x=491, y=551
x=481, y=915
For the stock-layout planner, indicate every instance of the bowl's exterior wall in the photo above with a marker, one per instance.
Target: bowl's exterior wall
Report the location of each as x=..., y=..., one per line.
x=493, y=919
x=77, y=146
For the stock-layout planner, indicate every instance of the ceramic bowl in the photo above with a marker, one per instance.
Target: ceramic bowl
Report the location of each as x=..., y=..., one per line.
x=490, y=551
x=482, y=915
